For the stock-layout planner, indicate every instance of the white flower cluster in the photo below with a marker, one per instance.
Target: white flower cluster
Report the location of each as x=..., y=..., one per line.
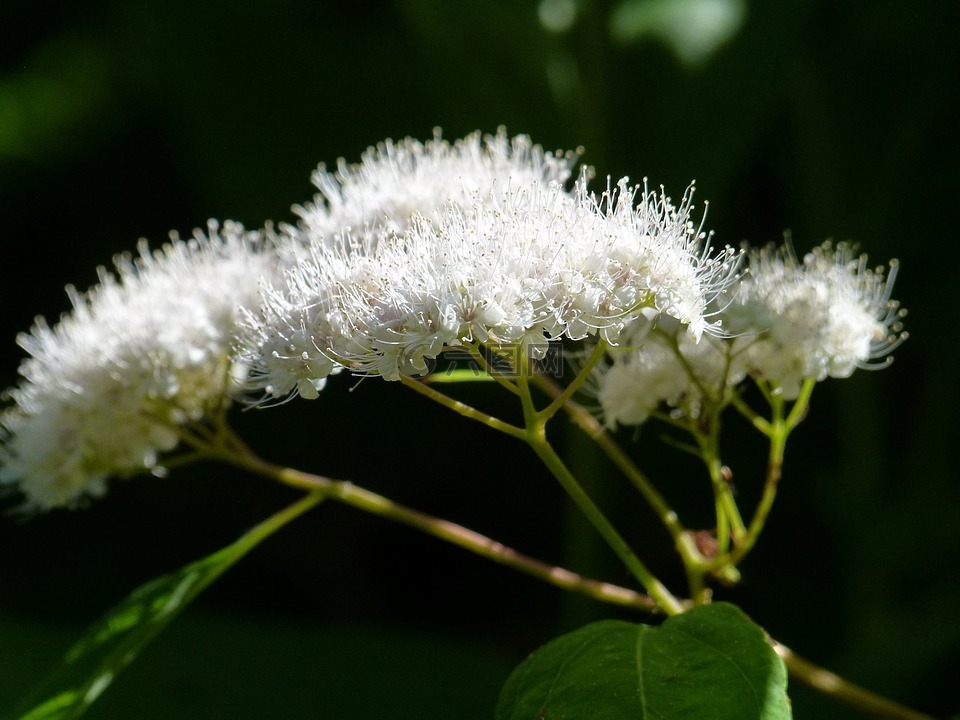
x=785, y=321
x=396, y=181
x=822, y=317
x=506, y=259
x=668, y=368
x=144, y=351
x=418, y=248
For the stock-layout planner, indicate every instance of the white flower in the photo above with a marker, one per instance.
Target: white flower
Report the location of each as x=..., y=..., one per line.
x=144, y=351
x=396, y=180
x=520, y=265
x=784, y=322
x=668, y=369
x=644, y=242
x=821, y=318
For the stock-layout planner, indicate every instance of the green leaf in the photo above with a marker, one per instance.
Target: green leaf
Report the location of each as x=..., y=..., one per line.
x=118, y=637
x=710, y=662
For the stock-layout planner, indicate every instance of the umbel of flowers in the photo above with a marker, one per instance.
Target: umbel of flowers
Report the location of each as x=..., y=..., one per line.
x=148, y=349
x=784, y=320
x=493, y=247
x=519, y=265
x=421, y=247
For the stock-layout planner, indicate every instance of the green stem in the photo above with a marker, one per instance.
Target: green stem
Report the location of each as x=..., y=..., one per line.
x=537, y=439
x=750, y=414
x=671, y=340
x=723, y=527
x=595, y=431
x=657, y=590
x=844, y=691
x=476, y=350
x=780, y=428
x=726, y=505
x=560, y=400
x=700, y=594
x=749, y=539
x=234, y=452
x=728, y=520
x=276, y=521
x=800, y=405
x=730, y=507
x=534, y=433
x=463, y=408
x=349, y=494
x=375, y=504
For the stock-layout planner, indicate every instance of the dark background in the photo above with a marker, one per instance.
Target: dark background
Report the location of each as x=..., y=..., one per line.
x=831, y=119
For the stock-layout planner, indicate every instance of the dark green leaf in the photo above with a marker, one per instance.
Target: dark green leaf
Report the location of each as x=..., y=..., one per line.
x=711, y=662
x=115, y=641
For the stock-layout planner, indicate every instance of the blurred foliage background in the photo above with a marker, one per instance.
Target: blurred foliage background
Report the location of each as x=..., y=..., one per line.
x=828, y=118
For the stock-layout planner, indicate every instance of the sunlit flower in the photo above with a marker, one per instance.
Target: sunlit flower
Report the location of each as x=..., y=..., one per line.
x=396, y=180
x=666, y=372
x=146, y=350
x=784, y=321
x=822, y=317
x=520, y=265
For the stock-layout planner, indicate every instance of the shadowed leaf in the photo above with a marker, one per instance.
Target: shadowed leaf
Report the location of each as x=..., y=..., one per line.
x=709, y=662
x=116, y=640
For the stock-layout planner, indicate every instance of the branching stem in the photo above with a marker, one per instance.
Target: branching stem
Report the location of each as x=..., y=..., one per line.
x=843, y=691
x=462, y=408
x=536, y=437
x=357, y=497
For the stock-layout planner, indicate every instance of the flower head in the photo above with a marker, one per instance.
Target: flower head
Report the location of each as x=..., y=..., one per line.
x=395, y=181
x=822, y=317
x=667, y=369
x=146, y=350
x=518, y=265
